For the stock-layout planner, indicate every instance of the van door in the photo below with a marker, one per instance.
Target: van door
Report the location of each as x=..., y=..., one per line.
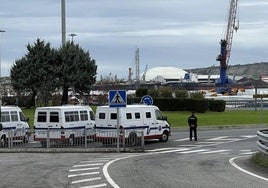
x=150, y=121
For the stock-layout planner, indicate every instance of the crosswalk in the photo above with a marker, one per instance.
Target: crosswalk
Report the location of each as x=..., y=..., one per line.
x=202, y=147
x=90, y=173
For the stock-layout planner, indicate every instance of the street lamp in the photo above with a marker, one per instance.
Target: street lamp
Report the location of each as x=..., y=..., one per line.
x=1, y=31
x=72, y=35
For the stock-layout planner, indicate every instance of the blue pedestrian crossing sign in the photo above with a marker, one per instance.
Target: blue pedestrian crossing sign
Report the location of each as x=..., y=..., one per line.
x=117, y=98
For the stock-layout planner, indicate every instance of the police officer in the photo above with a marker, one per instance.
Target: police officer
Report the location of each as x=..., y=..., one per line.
x=192, y=122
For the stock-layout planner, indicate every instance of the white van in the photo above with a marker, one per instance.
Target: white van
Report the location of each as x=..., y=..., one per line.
x=13, y=125
x=146, y=118
x=64, y=123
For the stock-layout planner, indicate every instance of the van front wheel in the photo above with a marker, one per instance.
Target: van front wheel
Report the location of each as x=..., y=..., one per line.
x=164, y=137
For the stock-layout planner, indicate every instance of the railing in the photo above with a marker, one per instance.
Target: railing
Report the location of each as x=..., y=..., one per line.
x=89, y=139
x=262, y=142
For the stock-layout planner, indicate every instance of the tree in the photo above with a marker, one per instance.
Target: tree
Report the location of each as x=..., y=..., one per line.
x=76, y=69
x=34, y=73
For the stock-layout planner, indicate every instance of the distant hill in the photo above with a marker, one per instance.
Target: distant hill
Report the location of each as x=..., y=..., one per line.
x=248, y=70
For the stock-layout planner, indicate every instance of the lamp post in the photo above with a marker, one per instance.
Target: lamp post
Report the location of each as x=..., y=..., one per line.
x=1, y=31
x=72, y=35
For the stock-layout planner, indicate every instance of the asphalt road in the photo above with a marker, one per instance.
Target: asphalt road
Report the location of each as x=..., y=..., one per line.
x=177, y=163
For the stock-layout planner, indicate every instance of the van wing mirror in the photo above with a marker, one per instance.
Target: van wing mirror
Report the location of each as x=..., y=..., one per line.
x=1, y=127
x=165, y=118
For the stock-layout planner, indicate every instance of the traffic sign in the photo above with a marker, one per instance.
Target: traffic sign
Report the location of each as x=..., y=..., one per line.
x=147, y=99
x=117, y=98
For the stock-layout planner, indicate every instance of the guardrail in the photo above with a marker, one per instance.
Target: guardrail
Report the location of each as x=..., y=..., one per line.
x=262, y=142
x=73, y=138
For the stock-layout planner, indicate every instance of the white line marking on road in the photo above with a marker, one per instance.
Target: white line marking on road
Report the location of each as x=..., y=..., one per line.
x=95, y=186
x=231, y=161
x=86, y=180
x=215, y=151
x=83, y=165
x=248, y=136
x=95, y=161
x=193, y=151
x=159, y=149
x=179, y=140
x=248, y=153
x=82, y=174
x=84, y=169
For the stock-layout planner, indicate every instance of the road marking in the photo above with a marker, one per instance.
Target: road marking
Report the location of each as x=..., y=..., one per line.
x=231, y=161
x=95, y=186
x=83, y=174
x=215, y=151
x=159, y=149
x=84, y=169
x=86, y=180
x=83, y=165
x=193, y=151
x=179, y=140
x=96, y=161
x=248, y=136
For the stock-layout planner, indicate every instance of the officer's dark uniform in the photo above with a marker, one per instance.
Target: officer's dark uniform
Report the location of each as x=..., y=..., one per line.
x=192, y=122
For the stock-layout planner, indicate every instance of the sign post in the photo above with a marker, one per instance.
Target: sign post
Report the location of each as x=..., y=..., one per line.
x=117, y=99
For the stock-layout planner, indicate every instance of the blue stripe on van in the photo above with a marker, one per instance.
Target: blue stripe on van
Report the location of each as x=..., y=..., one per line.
x=45, y=128
x=131, y=127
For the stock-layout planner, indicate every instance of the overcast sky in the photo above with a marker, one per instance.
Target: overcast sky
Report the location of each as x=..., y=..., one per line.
x=178, y=33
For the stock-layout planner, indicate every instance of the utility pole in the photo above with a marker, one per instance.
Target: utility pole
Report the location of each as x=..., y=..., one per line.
x=63, y=23
x=1, y=31
x=137, y=61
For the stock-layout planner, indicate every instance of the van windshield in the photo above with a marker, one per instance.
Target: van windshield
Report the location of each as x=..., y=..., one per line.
x=158, y=115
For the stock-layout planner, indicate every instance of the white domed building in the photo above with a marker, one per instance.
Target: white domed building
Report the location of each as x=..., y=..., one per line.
x=163, y=74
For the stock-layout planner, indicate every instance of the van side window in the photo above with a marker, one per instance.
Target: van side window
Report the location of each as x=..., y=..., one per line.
x=128, y=115
x=42, y=117
x=54, y=117
x=137, y=115
x=22, y=117
x=102, y=115
x=148, y=115
x=71, y=116
x=113, y=116
x=5, y=117
x=158, y=115
x=14, y=115
x=92, y=115
x=83, y=115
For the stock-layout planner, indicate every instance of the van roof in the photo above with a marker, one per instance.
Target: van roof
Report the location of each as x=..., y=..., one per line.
x=9, y=107
x=132, y=106
x=65, y=107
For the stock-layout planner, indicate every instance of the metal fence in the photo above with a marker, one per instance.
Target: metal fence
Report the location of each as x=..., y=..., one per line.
x=262, y=142
x=74, y=139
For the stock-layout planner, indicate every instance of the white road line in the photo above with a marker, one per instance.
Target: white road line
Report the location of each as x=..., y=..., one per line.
x=159, y=149
x=94, y=161
x=193, y=151
x=215, y=151
x=247, y=153
x=248, y=136
x=179, y=140
x=224, y=138
x=84, y=169
x=83, y=174
x=83, y=165
x=231, y=161
x=86, y=180
x=95, y=186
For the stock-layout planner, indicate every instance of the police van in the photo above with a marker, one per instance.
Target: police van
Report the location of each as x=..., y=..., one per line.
x=13, y=125
x=145, y=118
x=65, y=124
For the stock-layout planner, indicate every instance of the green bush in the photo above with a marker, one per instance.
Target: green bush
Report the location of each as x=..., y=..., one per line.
x=217, y=105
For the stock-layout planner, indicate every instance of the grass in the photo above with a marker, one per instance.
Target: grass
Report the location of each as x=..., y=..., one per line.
x=261, y=159
x=229, y=117
x=179, y=118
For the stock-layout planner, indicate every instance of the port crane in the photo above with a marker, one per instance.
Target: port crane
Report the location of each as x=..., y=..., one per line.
x=223, y=84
